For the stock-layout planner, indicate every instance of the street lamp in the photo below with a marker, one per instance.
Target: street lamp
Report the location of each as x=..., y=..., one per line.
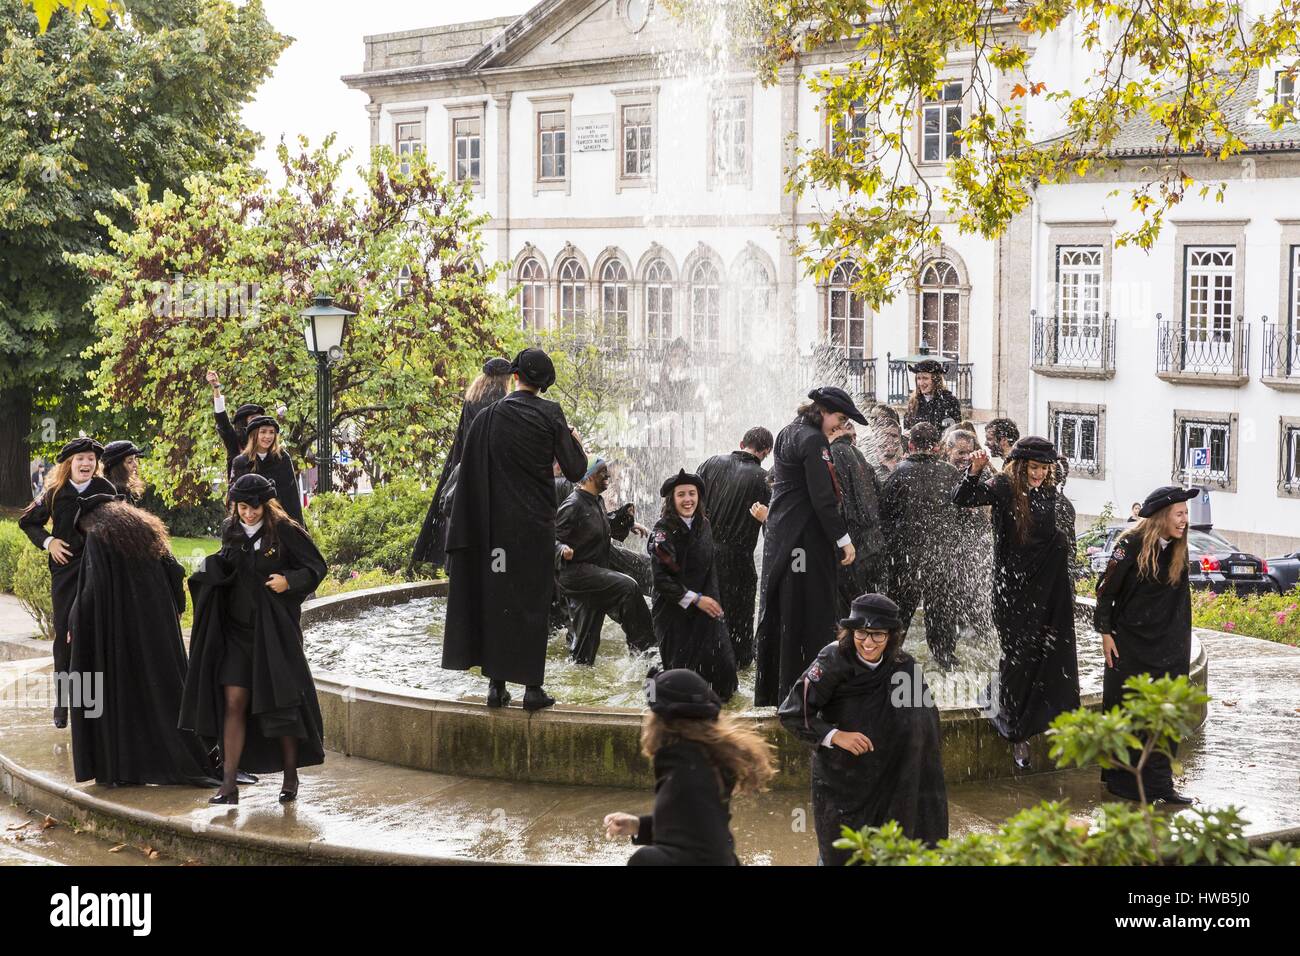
x=323, y=330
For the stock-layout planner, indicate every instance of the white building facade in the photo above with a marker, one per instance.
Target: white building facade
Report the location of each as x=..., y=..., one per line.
x=633, y=184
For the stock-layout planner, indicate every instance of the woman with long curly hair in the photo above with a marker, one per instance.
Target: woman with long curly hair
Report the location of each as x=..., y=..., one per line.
x=1033, y=594
x=121, y=463
x=1144, y=617
x=700, y=760
x=865, y=709
x=931, y=401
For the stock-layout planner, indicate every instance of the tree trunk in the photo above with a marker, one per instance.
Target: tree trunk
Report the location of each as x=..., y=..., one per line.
x=15, y=458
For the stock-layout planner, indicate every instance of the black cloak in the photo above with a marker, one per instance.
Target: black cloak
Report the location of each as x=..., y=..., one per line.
x=431, y=545
x=229, y=591
x=860, y=505
x=126, y=634
x=901, y=778
x=501, y=538
x=233, y=439
x=278, y=469
x=1033, y=608
x=803, y=525
x=691, y=823
x=682, y=560
x=940, y=411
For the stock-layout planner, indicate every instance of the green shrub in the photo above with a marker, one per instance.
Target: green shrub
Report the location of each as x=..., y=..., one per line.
x=374, y=578
x=12, y=544
x=1274, y=617
x=32, y=588
x=189, y=521
x=371, y=531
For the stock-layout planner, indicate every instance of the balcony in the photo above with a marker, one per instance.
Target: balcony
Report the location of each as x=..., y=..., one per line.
x=957, y=375
x=1203, y=355
x=1280, y=363
x=1066, y=347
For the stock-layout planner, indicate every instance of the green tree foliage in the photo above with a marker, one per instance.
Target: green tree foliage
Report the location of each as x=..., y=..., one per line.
x=1156, y=715
x=98, y=9
x=217, y=276
x=153, y=96
x=32, y=588
x=1174, y=64
x=369, y=532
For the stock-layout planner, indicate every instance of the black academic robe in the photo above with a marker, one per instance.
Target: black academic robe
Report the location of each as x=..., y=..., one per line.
x=501, y=538
x=233, y=439
x=229, y=592
x=735, y=482
x=800, y=561
x=61, y=514
x=1151, y=623
x=1033, y=608
x=901, y=778
x=682, y=561
x=126, y=643
x=431, y=544
x=860, y=505
x=278, y=469
x=691, y=823
x=941, y=411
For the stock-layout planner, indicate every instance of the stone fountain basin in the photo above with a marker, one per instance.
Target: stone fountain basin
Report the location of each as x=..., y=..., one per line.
x=566, y=744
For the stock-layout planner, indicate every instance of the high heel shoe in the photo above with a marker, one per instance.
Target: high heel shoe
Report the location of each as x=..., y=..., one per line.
x=289, y=796
x=1020, y=755
x=229, y=799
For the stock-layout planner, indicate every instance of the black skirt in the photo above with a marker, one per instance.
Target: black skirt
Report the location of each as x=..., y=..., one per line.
x=237, y=663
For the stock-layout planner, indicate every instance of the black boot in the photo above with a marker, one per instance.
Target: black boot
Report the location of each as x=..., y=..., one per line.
x=60, y=717
x=535, y=698
x=1174, y=798
x=498, y=696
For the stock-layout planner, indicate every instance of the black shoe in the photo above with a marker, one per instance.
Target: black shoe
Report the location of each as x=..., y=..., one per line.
x=498, y=696
x=242, y=776
x=1020, y=755
x=60, y=717
x=289, y=796
x=1174, y=798
x=231, y=798
x=536, y=699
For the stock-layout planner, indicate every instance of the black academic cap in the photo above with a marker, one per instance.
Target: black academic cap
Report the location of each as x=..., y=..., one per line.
x=1163, y=497
x=496, y=366
x=683, y=477
x=116, y=451
x=837, y=400
x=251, y=489
x=535, y=367
x=77, y=446
x=681, y=693
x=1033, y=448
x=873, y=612
x=255, y=423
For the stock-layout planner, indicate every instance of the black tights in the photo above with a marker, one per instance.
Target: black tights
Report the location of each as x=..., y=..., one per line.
x=232, y=742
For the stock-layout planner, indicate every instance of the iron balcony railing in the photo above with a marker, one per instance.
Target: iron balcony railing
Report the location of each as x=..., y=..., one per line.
x=957, y=375
x=1281, y=358
x=1064, y=342
x=1200, y=350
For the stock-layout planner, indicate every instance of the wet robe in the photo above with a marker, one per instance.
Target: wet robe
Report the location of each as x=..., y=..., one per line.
x=1151, y=623
x=125, y=629
x=501, y=538
x=1033, y=608
x=62, y=512
x=431, y=544
x=860, y=505
x=231, y=599
x=800, y=561
x=941, y=410
x=691, y=823
x=682, y=559
x=901, y=778
x=233, y=439
x=277, y=469
x=735, y=482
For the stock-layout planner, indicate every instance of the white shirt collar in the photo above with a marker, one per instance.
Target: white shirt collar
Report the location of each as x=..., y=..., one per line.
x=1164, y=543
x=83, y=485
x=863, y=660
x=687, y=521
x=251, y=529
x=261, y=454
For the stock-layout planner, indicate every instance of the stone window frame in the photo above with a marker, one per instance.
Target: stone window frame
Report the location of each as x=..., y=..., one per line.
x=1279, y=95
x=1226, y=233
x=415, y=115
x=953, y=73
x=1288, y=426
x=556, y=103
x=735, y=90
x=638, y=96
x=1288, y=301
x=475, y=109
x=1232, y=420
x=915, y=301
x=829, y=128
x=1099, y=443
x=825, y=290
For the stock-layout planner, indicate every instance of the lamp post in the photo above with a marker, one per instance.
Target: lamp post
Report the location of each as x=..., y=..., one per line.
x=323, y=330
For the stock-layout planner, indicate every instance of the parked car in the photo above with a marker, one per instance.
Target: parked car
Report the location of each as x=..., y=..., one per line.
x=1216, y=565
x=1285, y=571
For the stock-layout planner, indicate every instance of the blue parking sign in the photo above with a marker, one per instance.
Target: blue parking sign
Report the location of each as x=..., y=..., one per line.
x=1200, y=458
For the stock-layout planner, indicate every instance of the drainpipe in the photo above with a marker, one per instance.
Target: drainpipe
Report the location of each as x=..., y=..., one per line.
x=1035, y=257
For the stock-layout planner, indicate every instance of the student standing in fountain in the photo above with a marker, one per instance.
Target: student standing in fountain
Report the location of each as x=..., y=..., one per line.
x=931, y=402
x=75, y=477
x=583, y=529
x=700, y=759
x=489, y=386
x=127, y=649
x=1144, y=617
x=736, y=483
x=249, y=683
x=864, y=706
x=264, y=456
x=1033, y=596
x=501, y=536
x=688, y=619
x=883, y=444
x=860, y=505
x=805, y=530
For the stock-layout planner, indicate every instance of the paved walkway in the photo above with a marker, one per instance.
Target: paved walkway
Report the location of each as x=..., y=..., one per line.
x=14, y=620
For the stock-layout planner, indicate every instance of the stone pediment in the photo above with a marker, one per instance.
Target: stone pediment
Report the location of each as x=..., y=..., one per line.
x=556, y=32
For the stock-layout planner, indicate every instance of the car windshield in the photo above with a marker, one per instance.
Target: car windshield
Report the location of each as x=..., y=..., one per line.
x=1203, y=541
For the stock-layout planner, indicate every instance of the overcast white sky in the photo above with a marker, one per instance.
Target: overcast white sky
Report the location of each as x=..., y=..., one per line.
x=305, y=95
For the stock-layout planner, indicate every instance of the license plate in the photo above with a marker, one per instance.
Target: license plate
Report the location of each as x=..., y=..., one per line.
x=1241, y=569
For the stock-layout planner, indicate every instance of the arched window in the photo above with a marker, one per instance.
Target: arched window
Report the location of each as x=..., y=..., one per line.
x=754, y=297
x=706, y=306
x=846, y=313
x=941, y=309
x=614, y=300
x=658, y=303
x=532, y=295
x=573, y=294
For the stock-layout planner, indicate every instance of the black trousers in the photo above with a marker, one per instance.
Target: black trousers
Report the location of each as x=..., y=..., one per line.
x=738, y=592
x=634, y=565
x=911, y=591
x=594, y=593
x=63, y=592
